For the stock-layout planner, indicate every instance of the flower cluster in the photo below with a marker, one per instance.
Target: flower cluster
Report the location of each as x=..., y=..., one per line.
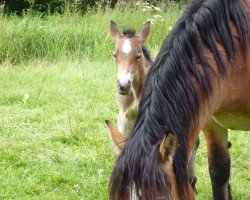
x=146, y=7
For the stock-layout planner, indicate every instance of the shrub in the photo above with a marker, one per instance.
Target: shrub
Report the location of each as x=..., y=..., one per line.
x=58, y=6
x=45, y=6
x=15, y=6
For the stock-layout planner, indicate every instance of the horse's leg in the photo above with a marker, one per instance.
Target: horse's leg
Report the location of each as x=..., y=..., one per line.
x=191, y=166
x=121, y=122
x=218, y=159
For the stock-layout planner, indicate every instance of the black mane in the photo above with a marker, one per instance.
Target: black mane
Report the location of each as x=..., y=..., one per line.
x=170, y=100
x=129, y=32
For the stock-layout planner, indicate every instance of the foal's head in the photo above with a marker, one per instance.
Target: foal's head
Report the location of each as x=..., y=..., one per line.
x=131, y=57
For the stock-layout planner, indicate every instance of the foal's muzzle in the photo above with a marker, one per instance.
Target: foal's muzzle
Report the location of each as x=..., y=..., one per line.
x=123, y=88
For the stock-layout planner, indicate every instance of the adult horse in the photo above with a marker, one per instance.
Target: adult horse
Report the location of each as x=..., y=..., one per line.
x=133, y=62
x=199, y=80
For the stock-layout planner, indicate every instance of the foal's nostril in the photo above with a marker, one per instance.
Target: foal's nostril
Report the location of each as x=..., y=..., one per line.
x=128, y=84
x=123, y=88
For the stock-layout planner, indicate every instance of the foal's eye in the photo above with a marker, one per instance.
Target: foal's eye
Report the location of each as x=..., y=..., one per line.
x=114, y=54
x=138, y=56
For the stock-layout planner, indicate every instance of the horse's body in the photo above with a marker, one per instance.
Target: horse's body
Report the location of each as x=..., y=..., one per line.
x=200, y=81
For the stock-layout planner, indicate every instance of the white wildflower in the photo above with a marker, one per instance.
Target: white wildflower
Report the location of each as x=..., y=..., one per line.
x=26, y=97
x=157, y=16
x=148, y=7
x=156, y=8
x=100, y=171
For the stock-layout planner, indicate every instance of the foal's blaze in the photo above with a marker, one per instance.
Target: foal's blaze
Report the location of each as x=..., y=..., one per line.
x=199, y=80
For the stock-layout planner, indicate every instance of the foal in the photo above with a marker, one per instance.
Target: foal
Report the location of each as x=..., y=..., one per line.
x=132, y=64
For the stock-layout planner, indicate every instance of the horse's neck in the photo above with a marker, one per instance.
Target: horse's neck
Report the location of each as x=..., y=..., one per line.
x=128, y=108
x=127, y=102
x=130, y=102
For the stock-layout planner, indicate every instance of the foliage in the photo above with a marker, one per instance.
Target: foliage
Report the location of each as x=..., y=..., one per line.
x=16, y=6
x=52, y=6
x=59, y=6
x=20, y=6
x=44, y=6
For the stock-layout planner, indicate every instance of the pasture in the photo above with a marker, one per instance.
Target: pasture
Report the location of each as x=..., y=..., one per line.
x=57, y=82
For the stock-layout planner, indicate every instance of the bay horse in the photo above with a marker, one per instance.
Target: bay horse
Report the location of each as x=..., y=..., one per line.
x=199, y=81
x=133, y=61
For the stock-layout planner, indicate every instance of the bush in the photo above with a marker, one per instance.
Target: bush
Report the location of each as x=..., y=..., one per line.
x=53, y=6
x=15, y=6
x=58, y=6
x=45, y=6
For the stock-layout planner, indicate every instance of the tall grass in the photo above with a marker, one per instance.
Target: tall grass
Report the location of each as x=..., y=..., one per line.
x=75, y=35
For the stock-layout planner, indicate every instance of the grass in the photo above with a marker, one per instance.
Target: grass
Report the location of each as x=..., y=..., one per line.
x=53, y=138
x=57, y=80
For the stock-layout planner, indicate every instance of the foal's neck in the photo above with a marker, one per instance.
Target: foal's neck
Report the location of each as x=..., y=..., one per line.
x=141, y=78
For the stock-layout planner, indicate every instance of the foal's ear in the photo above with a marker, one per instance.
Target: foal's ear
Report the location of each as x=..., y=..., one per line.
x=168, y=147
x=114, y=30
x=118, y=138
x=144, y=32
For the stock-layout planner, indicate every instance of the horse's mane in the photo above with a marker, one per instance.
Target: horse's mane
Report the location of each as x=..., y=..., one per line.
x=129, y=32
x=170, y=100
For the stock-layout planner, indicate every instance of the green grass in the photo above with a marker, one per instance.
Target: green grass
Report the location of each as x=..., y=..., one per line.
x=57, y=79
x=240, y=165
x=54, y=143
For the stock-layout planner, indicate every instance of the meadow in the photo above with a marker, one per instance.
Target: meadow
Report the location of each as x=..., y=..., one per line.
x=57, y=83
